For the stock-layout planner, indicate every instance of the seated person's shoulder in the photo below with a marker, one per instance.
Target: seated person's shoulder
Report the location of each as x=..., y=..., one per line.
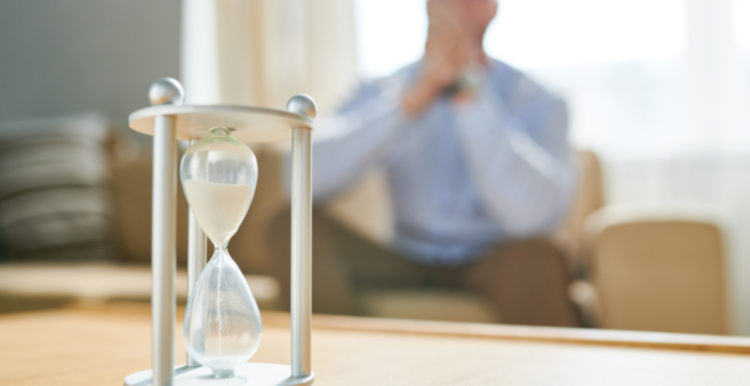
x=519, y=91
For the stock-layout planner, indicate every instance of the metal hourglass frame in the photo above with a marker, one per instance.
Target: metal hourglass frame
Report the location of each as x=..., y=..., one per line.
x=168, y=121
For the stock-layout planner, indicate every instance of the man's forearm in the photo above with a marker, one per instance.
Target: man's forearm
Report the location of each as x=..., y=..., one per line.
x=365, y=137
x=525, y=186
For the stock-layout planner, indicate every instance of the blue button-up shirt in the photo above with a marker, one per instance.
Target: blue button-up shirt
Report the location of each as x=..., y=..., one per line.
x=462, y=176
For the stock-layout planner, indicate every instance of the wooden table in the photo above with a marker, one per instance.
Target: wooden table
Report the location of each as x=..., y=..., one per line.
x=100, y=345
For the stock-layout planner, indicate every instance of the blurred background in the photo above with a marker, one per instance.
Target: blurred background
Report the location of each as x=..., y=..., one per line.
x=658, y=91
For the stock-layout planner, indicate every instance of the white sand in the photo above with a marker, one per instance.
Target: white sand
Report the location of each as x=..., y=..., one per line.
x=219, y=208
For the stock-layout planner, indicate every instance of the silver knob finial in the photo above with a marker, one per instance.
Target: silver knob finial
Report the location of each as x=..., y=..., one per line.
x=302, y=104
x=166, y=91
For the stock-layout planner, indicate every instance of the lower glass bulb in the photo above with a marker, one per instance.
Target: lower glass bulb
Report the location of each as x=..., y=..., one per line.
x=222, y=327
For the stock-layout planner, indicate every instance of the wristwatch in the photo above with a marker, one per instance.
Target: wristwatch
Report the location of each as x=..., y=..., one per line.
x=469, y=80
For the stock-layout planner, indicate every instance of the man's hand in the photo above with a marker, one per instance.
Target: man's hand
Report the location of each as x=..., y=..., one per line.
x=450, y=49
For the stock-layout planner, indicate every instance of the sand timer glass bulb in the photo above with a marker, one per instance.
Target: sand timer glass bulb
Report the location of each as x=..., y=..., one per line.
x=222, y=327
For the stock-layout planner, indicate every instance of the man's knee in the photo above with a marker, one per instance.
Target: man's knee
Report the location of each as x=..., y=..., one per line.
x=535, y=250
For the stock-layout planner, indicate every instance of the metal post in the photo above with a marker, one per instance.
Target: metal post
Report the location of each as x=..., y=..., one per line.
x=301, y=310
x=163, y=232
x=163, y=258
x=196, y=257
x=301, y=307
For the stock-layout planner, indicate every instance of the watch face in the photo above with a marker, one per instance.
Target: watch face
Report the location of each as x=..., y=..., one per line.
x=469, y=80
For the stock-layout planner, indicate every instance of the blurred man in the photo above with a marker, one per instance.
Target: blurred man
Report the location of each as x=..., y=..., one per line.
x=478, y=165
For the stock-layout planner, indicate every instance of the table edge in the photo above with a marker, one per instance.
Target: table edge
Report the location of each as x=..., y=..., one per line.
x=561, y=335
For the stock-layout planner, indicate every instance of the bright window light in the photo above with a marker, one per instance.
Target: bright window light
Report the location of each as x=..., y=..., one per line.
x=390, y=34
x=741, y=11
x=554, y=33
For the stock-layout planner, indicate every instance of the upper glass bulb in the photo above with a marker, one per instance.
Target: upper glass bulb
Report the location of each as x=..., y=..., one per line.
x=222, y=327
x=219, y=175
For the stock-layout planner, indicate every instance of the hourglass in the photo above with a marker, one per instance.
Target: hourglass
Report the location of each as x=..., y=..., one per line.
x=218, y=173
x=222, y=327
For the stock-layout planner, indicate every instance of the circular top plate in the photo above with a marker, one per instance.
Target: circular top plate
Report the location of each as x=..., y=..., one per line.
x=252, y=124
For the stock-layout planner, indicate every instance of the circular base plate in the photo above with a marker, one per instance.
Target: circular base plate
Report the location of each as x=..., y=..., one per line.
x=251, y=123
x=249, y=374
